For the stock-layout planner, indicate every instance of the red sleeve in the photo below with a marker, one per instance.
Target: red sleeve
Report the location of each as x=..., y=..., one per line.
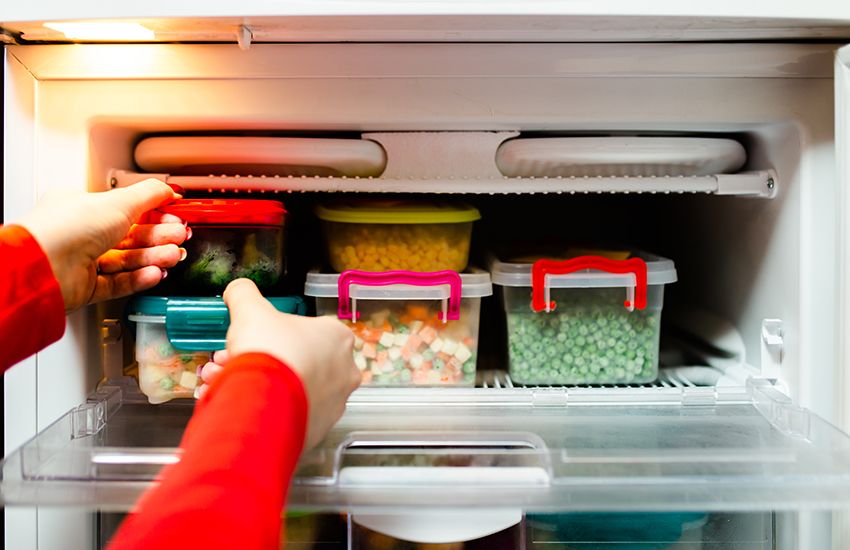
x=32, y=311
x=240, y=451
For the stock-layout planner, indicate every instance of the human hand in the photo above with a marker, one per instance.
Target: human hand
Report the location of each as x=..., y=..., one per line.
x=319, y=350
x=107, y=245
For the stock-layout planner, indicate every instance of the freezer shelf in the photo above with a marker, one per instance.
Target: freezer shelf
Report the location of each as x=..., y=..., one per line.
x=539, y=449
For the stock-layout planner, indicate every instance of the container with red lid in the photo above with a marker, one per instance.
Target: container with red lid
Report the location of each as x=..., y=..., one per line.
x=231, y=238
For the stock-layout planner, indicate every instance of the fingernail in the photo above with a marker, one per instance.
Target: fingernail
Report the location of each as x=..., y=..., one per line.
x=197, y=392
x=176, y=188
x=188, y=233
x=164, y=273
x=183, y=254
x=185, y=224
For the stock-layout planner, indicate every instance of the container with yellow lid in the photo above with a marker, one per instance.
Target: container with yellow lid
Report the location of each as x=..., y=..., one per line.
x=391, y=234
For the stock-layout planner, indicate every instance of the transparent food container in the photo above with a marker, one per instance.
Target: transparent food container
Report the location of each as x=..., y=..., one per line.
x=174, y=338
x=397, y=234
x=230, y=239
x=586, y=320
x=410, y=328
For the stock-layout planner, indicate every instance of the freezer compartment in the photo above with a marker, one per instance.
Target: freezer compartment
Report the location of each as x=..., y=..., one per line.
x=551, y=450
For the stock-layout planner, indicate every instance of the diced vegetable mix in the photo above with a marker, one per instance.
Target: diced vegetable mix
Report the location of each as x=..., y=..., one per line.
x=590, y=338
x=165, y=372
x=409, y=345
x=218, y=255
x=389, y=247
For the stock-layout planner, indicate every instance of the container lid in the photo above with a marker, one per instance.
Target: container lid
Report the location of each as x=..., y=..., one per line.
x=475, y=283
x=394, y=210
x=195, y=324
x=227, y=211
x=659, y=271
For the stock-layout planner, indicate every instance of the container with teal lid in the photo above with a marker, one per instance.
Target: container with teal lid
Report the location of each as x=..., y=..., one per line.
x=386, y=234
x=174, y=338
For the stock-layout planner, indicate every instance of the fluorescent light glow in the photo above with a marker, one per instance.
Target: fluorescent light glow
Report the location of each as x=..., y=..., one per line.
x=104, y=31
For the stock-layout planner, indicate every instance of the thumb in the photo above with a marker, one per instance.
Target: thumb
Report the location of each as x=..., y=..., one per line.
x=243, y=298
x=140, y=197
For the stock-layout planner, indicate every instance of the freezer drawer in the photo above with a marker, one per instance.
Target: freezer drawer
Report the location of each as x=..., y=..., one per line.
x=540, y=449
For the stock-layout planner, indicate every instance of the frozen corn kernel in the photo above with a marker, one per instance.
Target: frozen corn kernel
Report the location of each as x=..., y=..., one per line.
x=384, y=247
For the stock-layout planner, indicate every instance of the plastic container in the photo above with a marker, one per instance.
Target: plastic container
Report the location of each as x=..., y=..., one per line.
x=397, y=234
x=410, y=328
x=230, y=239
x=585, y=320
x=174, y=337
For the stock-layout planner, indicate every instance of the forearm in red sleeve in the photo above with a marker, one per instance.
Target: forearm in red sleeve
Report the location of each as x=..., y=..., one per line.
x=240, y=451
x=32, y=311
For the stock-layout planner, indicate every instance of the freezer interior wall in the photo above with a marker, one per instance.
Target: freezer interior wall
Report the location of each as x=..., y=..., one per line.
x=743, y=259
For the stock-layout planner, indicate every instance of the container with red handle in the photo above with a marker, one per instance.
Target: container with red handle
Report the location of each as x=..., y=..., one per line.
x=583, y=319
x=410, y=328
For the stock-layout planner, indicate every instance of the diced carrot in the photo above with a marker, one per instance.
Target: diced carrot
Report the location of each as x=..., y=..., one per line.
x=413, y=342
x=387, y=327
x=382, y=358
x=373, y=335
x=468, y=342
x=370, y=350
x=444, y=356
x=367, y=376
x=417, y=312
x=420, y=377
x=406, y=353
x=178, y=389
x=455, y=364
x=405, y=319
x=426, y=366
x=428, y=334
x=359, y=326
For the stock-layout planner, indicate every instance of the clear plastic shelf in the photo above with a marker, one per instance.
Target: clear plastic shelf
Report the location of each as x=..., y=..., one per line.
x=543, y=449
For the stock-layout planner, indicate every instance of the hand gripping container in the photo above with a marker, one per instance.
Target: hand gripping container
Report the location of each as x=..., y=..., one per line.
x=174, y=338
x=386, y=234
x=230, y=239
x=585, y=320
x=410, y=328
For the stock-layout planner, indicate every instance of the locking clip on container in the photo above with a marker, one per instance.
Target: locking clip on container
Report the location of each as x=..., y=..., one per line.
x=410, y=328
x=230, y=239
x=585, y=320
x=397, y=234
x=174, y=338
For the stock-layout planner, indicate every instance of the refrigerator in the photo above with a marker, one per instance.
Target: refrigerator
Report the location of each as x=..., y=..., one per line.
x=756, y=458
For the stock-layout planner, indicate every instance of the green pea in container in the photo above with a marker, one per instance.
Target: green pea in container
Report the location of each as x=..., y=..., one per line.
x=584, y=318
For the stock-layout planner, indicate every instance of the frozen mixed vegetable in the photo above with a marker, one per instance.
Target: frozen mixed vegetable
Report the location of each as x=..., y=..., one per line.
x=408, y=344
x=165, y=372
x=590, y=338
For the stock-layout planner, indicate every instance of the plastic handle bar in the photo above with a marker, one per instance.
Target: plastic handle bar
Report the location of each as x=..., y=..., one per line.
x=542, y=268
x=384, y=278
